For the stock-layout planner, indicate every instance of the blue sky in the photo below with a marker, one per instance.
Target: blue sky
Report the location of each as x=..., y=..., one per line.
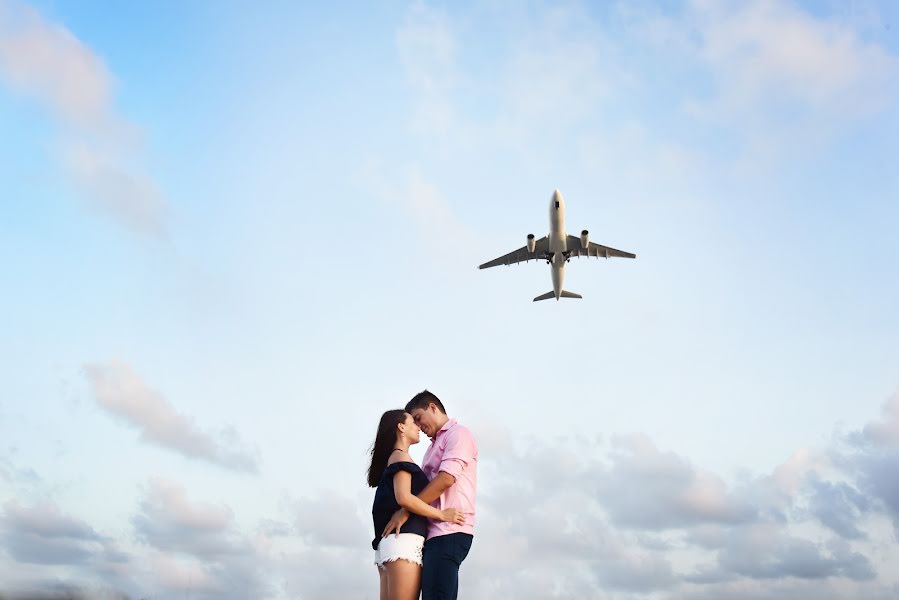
x=235, y=235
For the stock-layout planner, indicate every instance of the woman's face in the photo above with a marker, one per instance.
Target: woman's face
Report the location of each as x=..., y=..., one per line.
x=411, y=431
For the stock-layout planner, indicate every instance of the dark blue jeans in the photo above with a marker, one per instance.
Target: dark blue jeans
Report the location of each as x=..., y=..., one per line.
x=442, y=557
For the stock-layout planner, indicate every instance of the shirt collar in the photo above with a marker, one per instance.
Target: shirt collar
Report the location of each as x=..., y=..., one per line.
x=446, y=426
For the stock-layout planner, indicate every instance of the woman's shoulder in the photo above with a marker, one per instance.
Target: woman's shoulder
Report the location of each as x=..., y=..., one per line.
x=401, y=463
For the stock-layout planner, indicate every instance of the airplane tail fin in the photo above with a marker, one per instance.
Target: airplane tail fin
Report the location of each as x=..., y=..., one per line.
x=552, y=294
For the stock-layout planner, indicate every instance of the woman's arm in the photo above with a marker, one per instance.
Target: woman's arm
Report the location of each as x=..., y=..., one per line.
x=436, y=486
x=402, y=489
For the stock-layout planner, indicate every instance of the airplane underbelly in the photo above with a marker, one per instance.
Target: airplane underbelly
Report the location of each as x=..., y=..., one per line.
x=558, y=275
x=558, y=243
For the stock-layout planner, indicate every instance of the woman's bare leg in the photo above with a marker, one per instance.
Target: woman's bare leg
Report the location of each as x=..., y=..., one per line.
x=383, y=575
x=403, y=580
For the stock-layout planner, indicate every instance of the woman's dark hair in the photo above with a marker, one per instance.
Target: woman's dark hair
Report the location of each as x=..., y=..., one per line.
x=383, y=445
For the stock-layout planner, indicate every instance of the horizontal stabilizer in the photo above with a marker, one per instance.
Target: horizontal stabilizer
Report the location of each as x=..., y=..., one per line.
x=551, y=294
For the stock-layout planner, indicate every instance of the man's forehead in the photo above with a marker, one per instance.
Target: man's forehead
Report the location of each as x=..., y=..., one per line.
x=417, y=413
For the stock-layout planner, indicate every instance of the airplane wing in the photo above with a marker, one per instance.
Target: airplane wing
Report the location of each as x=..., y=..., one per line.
x=575, y=249
x=541, y=247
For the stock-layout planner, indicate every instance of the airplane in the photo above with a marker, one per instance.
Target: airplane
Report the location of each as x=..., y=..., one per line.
x=557, y=249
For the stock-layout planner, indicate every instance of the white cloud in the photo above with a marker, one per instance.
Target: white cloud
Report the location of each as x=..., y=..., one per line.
x=181, y=576
x=789, y=589
x=783, y=81
x=872, y=459
x=327, y=572
x=169, y=519
x=767, y=51
x=839, y=506
x=54, y=552
x=329, y=520
x=42, y=534
x=121, y=392
x=197, y=548
x=769, y=77
x=124, y=193
x=47, y=62
x=646, y=488
x=585, y=509
x=765, y=551
x=885, y=432
x=771, y=80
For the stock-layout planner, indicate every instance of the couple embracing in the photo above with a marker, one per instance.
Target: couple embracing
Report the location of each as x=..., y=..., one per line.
x=423, y=516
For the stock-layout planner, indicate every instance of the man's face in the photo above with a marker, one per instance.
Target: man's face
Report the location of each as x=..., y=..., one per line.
x=426, y=418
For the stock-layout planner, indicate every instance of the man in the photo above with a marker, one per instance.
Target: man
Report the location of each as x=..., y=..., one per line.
x=451, y=464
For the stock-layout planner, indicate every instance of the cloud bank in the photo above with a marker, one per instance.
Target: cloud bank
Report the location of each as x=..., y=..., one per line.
x=577, y=517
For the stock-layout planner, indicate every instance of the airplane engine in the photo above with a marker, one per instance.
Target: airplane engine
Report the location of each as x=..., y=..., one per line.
x=532, y=243
x=585, y=239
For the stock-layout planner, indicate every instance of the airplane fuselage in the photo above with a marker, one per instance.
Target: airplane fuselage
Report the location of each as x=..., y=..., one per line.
x=558, y=241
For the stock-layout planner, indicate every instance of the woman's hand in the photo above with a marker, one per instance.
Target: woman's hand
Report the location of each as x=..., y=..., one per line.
x=453, y=515
x=398, y=519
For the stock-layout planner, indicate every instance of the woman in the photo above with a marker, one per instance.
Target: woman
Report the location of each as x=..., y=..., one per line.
x=398, y=480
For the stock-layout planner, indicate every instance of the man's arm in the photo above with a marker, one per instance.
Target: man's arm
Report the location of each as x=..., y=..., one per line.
x=437, y=486
x=432, y=491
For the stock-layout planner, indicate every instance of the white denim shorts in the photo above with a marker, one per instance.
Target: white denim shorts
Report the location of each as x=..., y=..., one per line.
x=402, y=546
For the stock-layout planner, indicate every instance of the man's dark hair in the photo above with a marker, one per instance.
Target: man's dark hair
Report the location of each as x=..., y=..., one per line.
x=422, y=400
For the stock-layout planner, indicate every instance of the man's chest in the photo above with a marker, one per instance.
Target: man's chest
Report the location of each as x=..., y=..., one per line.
x=431, y=462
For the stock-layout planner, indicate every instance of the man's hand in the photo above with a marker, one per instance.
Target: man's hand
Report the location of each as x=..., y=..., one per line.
x=396, y=521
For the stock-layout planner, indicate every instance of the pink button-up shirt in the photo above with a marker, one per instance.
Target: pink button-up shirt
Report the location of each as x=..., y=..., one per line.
x=454, y=451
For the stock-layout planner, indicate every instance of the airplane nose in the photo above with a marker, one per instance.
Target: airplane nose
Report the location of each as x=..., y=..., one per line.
x=556, y=199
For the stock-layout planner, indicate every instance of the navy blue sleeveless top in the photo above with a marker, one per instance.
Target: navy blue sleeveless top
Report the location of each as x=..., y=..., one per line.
x=385, y=503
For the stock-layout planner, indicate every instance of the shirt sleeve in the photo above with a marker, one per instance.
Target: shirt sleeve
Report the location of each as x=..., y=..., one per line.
x=460, y=451
x=400, y=466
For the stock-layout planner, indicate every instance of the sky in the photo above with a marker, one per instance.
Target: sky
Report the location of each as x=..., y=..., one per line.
x=232, y=235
